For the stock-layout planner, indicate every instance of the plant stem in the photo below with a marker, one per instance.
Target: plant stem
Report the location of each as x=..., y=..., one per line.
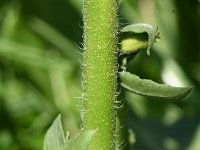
x=100, y=71
x=121, y=124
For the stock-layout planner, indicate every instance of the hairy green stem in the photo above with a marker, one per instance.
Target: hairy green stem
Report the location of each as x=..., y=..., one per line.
x=122, y=134
x=100, y=71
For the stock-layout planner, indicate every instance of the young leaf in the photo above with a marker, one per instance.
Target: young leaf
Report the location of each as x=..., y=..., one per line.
x=138, y=36
x=55, y=138
x=152, y=89
x=82, y=141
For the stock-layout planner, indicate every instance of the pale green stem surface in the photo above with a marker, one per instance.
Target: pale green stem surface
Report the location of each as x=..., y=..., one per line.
x=100, y=77
x=122, y=134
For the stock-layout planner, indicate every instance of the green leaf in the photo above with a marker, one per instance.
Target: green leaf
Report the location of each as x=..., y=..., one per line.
x=55, y=38
x=82, y=141
x=138, y=36
x=152, y=89
x=32, y=56
x=55, y=138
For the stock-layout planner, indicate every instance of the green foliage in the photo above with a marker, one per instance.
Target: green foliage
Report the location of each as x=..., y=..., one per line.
x=56, y=140
x=150, y=88
x=37, y=78
x=138, y=36
x=40, y=74
x=82, y=141
x=133, y=38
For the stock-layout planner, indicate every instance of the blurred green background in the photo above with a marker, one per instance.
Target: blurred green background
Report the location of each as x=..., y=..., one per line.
x=40, y=71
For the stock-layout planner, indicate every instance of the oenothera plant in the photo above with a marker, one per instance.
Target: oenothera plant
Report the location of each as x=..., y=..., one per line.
x=107, y=51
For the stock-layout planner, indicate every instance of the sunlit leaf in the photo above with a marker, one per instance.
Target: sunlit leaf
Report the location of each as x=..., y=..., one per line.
x=82, y=141
x=55, y=138
x=152, y=89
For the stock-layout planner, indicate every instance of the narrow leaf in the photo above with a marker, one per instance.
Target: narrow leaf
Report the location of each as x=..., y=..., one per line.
x=82, y=141
x=30, y=55
x=138, y=36
x=55, y=38
x=152, y=89
x=55, y=138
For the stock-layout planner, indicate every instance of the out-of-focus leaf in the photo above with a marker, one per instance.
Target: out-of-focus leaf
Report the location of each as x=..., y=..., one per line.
x=194, y=145
x=55, y=38
x=31, y=55
x=77, y=4
x=55, y=138
x=1, y=85
x=10, y=21
x=129, y=10
x=152, y=89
